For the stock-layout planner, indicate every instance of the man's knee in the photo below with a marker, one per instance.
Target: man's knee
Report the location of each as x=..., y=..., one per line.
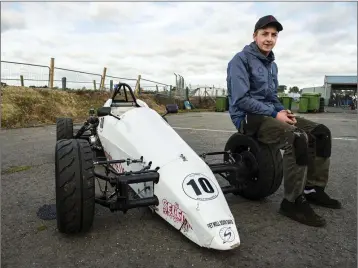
x=301, y=149
x=323, y=140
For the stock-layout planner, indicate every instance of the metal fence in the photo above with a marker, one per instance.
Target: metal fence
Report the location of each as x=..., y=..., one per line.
x=19, y=73
x=27, y=74
x=75, y=79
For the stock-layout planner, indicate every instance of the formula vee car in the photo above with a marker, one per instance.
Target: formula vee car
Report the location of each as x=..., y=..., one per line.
x=136, y=153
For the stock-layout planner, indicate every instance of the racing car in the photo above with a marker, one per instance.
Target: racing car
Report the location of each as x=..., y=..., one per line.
x=144, y=162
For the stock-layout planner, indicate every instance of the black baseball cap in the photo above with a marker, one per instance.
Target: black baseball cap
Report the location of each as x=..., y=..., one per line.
x=266, y=21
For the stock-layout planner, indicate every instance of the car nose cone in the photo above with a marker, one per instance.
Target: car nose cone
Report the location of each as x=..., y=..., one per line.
x=225, y=239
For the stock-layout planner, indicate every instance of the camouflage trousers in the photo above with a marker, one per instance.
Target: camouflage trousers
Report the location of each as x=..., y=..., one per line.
x=269, y=130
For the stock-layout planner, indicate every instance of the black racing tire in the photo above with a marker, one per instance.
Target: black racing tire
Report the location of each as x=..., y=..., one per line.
x=75, y=186
x=269, y=174
x=64, y=128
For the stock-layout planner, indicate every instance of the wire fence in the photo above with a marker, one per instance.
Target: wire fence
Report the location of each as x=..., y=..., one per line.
x=16, y=73
x=75, y=79
x=35, y=75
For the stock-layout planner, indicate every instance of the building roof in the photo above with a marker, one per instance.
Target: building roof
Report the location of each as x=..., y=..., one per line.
x=341, y=79
x=313, y=88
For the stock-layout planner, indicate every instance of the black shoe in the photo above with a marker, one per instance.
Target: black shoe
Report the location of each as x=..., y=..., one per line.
x=301, y=211
x=317, y=195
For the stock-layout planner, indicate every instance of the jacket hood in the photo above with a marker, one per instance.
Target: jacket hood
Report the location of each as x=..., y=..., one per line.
x=254, y=50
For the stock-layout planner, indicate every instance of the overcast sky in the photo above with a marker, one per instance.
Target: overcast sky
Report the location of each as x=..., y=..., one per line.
x=156, y=40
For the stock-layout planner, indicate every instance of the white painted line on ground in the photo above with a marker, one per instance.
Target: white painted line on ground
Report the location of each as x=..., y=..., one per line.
x=333, y=119
x=344, y=139
x=205, y=129
x=233, y=131
x=342, y=119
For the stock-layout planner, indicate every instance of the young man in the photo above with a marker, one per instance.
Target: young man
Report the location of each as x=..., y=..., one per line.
x=255, y=110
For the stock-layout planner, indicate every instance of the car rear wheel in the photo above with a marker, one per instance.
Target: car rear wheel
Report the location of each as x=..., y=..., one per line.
x=260, y=166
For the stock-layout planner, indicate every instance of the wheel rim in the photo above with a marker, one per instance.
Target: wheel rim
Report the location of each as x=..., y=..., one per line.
x=250, y=163
x=247, y=165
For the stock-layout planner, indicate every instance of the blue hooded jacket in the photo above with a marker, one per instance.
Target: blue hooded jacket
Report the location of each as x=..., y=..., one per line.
x=252, y=84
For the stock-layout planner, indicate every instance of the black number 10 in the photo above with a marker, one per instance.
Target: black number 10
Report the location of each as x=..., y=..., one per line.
x=205, y=186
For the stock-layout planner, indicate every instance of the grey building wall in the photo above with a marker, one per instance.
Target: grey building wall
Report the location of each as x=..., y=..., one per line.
x=328, y=90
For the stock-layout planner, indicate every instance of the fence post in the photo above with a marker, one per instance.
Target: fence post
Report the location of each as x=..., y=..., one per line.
x=22, y=80
x=52, y=72
x=103, y=77
x=137, y=86
x=139, y=89
x=157, y=88
x=94, y=84
x=110, y=85
x=63, y=83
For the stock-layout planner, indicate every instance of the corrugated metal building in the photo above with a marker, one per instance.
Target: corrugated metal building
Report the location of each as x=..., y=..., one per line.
x=334, y=83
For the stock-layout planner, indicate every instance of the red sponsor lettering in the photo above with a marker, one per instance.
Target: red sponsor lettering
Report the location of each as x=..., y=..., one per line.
x=118, y=166
x=176, y=214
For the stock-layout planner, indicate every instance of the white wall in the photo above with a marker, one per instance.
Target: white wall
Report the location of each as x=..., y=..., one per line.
x=314, y=90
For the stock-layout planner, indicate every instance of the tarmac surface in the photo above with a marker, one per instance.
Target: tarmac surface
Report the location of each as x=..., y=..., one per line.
x=142, y=239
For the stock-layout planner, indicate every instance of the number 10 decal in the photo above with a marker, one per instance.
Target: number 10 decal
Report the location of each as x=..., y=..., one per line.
x=199, y=187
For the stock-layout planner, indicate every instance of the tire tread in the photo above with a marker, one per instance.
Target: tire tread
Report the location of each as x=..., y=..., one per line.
x=64, y=128
x=75, y=186
x=270, y=173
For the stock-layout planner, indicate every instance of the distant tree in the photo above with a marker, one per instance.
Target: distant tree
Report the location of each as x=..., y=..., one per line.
x=281, y=88
x=294, y=89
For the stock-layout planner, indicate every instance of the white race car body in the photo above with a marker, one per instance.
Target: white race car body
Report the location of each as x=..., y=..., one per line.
x=190, y=198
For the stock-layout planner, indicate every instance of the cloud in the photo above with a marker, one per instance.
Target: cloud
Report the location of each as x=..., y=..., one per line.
x=194, y=39
x=11, y=21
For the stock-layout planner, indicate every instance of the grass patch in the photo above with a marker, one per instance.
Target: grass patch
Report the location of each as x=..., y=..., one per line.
x=15, y=169
x=31, y=107
x=22, y=106
x=28, y=107
x=41, y=228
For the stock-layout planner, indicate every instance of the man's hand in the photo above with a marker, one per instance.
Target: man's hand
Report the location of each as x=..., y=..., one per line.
x=287, y=117
x=291, y=116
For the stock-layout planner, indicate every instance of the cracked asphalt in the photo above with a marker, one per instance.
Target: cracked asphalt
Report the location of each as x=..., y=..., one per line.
x=141, y=239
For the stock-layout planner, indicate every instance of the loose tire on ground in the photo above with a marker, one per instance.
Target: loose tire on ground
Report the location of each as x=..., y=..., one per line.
x=75, y=187
x=64, y=128
x=269, y=162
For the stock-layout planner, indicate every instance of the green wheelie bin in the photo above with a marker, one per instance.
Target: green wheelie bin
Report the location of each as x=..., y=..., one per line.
x=287, y=102
x=303, y=105
x=220, y=104
x=313, y=101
